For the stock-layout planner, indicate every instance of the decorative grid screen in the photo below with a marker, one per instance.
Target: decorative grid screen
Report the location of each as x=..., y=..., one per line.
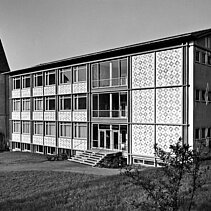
x=143, y=140
x=169, y=67
x=143, y=106
x=143, y=71
x=167, y=135
x=169, y=105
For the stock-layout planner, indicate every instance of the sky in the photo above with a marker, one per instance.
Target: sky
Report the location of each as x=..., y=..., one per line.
x=39, y=31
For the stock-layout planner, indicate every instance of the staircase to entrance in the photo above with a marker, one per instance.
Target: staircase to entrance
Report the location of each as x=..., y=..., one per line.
x=92, y=157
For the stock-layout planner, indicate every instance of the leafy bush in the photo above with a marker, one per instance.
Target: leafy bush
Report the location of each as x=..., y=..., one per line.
x=175, y=184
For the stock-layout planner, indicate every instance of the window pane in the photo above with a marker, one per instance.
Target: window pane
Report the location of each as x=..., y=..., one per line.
x=51, y=104
x=39, y=80
x=104, y=76
x=95, y=75
x=67, y=103
x=82, y=103
x=27, y=82
x=104, y=105
x=82, y=73
x=51, y=79
x=115, y=72
x=95, y=132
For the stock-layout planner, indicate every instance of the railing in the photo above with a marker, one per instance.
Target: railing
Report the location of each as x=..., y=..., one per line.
x=122, y=81
x=110, y=114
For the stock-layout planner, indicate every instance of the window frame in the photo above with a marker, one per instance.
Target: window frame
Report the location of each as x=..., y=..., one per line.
x=61, y=75
x=36, y=76
x=48, y=130
x=26, y=127
x=15, y=83
x=36, y=105
x=76, y=130
x=16, y=126
x=62, y=99
x=38, y=128
x=62, y=130
x=26, y=104
x=75, y=70
x=25, y=79
x=16, y=105
x=76, y=102
x=47, y=103
x=47, y=78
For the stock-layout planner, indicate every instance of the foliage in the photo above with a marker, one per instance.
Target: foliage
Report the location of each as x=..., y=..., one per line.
x=173, y=185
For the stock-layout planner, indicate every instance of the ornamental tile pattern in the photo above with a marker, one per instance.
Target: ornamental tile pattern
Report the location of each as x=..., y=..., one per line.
x=64, y=143
x=16, y=115
x=143, y=140
x=167, y=135
x=79, y=87
x=50, y=90
x=64, y=115
x=38, y=91
x=64, y=89
x=16, y=137
x=16, y=93
x=50, y=141
x=169, y=105
x=25, y=92
x=169, y=67
x=143, y=106
x=26, y=139
x=80, y=116
x=79, y=144
x=38, y=140
x=143, y=71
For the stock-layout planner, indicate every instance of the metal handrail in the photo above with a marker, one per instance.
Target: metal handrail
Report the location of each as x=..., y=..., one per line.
x=121, y=81
x=110, y=113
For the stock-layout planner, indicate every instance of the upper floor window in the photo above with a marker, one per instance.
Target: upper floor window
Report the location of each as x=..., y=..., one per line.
x=26, y=127
x=26, y=104
x=16, y=127
x=197, y=56
x=79, y=102
x=79, y=74
x=80, y=130
x=16, y=105
x=65, y=129
x=197, y=95
x=65, y=76
x=65, y=102
x=38, y=79
x=26, y=81
x=38, y=104
x=50, y=129
x=16, y=83
x=50, y=78
x=203, y=57
x=109, y=73
x=38, y=128
x=50, y=103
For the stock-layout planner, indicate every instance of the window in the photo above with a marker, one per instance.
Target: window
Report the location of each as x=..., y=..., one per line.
x=26, y=147
x=50, y=78
x=26, y=81
x=16, y=127
x=16, y=83
x=16, y=105
x=50, y=150
x=38, y=104
x=203, y=133
x=38, y=128
x=65, y=76
x=38, y=79
x=197, y=95
x=39, y=148
x=197, y=133
x=50, y=129
x=65, y=102
x=79, y=74
x=203, y=95
x=79, y=102
x=203, y=57
x=109, y=73
x=209, y=132
x=80, y=130
x=26, y=104
x=50, y=103
x=26, y=127
x=65, y=129
x=197, y=56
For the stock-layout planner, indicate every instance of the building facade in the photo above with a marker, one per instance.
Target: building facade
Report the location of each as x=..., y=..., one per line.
x=125, y=99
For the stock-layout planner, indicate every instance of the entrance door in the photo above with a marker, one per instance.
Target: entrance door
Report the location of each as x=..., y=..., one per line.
x=105, y=139
x=116, y=139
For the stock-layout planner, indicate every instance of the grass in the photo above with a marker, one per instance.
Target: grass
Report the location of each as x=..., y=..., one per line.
x=58, y=190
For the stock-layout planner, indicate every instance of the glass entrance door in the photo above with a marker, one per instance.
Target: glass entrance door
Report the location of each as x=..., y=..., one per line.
x=115, y=139
x=105, y=139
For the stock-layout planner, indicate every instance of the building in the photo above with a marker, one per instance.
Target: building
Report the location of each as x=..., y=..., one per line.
x=124, y=99
x=4, y=100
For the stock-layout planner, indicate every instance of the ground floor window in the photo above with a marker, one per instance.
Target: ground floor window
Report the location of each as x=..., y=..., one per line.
x=51, y=150
x=39, y=148
x=16, y=145
x=26, y=147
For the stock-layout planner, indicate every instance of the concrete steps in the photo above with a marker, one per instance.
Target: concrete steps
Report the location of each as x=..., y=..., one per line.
x=89, y=157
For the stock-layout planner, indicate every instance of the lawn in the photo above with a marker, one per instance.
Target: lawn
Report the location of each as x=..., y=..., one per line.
x=59, y=190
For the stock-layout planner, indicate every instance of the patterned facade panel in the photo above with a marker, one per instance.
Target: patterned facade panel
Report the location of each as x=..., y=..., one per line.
x=49, y=90
x=169, y=105
x=80, y=116
x=64, y=116
x=16, y=137
x=64, y=89
x=50, y=141
x=16, y=115
x=38, y=91
x=65, y=143
x=49, y=116
x=38, y=140
x=143, y=71
x=143, y=106
x=38, y=115
x=79, y=144
x=25, y=115
x=25, y=93
x=16, y=93
x=26, y=139
x=167, y=135
x=143, y=140
x=169, y=67
x=79, y=87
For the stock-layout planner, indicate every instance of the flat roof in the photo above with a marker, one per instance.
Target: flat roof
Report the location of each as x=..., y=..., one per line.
x=115, y=52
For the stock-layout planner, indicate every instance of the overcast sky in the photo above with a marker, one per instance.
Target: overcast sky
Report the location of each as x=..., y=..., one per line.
x=37, y=31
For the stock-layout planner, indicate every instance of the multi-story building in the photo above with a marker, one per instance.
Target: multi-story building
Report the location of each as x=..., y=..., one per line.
x=125, y=99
